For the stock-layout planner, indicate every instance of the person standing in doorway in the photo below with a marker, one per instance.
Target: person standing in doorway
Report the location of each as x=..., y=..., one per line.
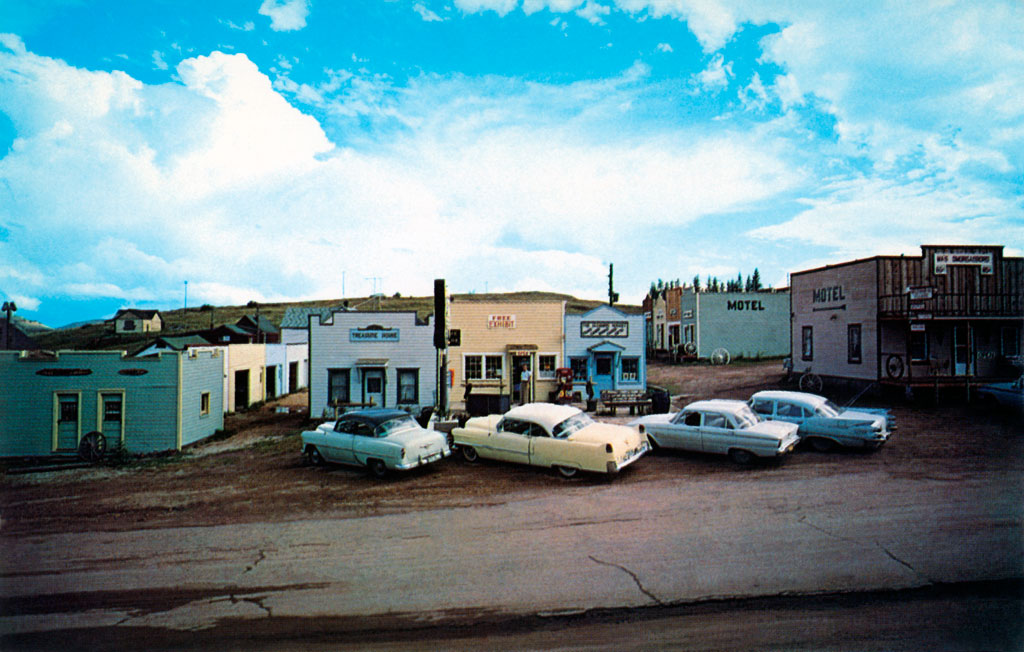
x=524, y=378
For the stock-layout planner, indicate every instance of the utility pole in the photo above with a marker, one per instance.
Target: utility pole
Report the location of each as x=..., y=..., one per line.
x=613, y=296
x=9, y=307
x=186, y=295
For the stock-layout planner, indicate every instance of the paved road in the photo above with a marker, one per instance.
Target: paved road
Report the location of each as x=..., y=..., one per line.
x=588, y=547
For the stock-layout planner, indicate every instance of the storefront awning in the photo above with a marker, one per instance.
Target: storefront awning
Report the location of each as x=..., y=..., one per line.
x=372, y=362
x=606, y=347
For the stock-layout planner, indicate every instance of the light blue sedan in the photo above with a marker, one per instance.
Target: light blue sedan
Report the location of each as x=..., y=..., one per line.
x=823, y=424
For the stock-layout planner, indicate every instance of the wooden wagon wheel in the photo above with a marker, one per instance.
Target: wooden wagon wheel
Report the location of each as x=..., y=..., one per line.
x=93, y=447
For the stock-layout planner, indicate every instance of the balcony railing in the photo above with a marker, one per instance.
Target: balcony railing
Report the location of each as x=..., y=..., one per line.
x=952, y=305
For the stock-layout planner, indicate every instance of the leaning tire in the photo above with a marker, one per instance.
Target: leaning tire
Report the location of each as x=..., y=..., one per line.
x=93, y=447
x=377, y=468
x=567, y=471
x=741, y=457
x=469, y=454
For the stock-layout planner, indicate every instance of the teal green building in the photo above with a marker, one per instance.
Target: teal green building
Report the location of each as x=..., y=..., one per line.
x=49, y=402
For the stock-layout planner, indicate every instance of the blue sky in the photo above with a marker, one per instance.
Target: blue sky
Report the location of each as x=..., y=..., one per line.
x=289, y=150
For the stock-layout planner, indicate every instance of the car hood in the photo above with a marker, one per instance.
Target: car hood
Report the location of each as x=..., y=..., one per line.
x=607, y=433
x=774, y=429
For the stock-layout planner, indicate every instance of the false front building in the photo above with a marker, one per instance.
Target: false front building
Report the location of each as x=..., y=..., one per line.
x=606, y=346
x=952, y=314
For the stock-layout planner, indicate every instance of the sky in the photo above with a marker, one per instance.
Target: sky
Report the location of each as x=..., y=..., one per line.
x=156, y=154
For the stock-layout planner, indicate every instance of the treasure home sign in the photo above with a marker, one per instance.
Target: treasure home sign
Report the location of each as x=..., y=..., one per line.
x=981, y=258
x=604, y=329
x=376, y=335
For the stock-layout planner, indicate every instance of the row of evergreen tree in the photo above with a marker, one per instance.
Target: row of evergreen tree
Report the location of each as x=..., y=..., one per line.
x=712, y=284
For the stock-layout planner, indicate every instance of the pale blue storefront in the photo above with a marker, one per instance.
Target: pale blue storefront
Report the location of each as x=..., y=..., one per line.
x=607, y=346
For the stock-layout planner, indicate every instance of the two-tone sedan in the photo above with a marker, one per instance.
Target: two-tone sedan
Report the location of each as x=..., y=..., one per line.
x=561, y=437
x=721, y=426
x=823, y=424
x=380, y=440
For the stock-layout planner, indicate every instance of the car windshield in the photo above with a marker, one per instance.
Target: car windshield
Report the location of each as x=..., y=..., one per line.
x=572, y=424
x=745, y=417
x=391, y=426
x=827, y=409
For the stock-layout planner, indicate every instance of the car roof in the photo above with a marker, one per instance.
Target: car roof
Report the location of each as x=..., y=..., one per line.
x=800, y=397
x=374, y=416
x=729, y=405
x=548, y=415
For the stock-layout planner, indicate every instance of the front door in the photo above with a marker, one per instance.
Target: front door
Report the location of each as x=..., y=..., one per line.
x=67, y=421
x=241, y=389
x=961, y=349
x=373, y=387
x=604, y=371
x=272, y=381
x=113, y=418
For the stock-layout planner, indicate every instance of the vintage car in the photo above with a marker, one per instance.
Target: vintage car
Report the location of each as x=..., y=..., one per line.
x=726, y=427
x=553, y=436
x=381, y=440
x=1007, y=395
x=823, y=424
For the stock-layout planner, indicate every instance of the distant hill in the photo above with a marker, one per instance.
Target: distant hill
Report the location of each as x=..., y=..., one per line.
x=30, y=327
x=99, y=335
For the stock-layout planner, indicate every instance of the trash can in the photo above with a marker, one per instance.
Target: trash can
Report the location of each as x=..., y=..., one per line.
x=661, y=400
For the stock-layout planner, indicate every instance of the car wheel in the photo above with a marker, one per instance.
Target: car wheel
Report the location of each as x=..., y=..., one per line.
x=314, y=457
x=377, y=468
x=822, y=445
x=469, y=453
x=567, y=471
x=741, y=457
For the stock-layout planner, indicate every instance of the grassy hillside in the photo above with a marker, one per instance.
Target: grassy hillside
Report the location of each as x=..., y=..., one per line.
x=179, y=322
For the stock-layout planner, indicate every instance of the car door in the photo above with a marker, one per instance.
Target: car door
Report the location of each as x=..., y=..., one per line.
x=365, y=443
x=717, y=433
x=546, y=450
x=339, y=442
x=511, y=442
x=683, y=432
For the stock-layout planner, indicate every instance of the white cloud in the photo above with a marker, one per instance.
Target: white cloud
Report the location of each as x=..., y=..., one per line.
x=426, y=14
x=285, y=15
x=716, y=76
x=594, y=12
x=664, y=47
x=500, y=7
x=158, y=60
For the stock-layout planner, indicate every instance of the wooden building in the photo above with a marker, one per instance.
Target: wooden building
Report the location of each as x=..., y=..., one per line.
x=950, y=316
x=133, y=320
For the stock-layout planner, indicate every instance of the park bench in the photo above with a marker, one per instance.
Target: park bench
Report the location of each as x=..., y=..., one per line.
x=635, y=399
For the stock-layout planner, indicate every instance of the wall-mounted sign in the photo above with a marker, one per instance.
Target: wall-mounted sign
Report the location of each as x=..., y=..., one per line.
x=980, y=258
x=133, y=372
x=923, y=315
x=918, y=294
x=375, y=335
x=918, y=328
x=744, y=304
x=501, y=321
x=917, y=306
x=604, y=329
x=828, y=294
x=687, y=314
x=64, y=372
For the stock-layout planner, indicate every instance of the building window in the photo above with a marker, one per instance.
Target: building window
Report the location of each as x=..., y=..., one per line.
x=129, y=325
x=546, y=367
x=204, y=404
x=631, y=369
x=492, y=365
x=807, y=343
x=1009, y=340
x=68, y=409
x=579, y=369
x=853, y=348
x=474, y=369
x=337, y=386
x=688, y=333
x=408, y=385
x=112, y=408
x=919, y=345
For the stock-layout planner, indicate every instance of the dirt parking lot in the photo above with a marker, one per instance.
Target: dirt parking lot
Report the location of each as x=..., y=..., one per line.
x=255, y=473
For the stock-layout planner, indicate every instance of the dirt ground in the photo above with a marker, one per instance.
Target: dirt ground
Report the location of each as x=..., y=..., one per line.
x=255, y=473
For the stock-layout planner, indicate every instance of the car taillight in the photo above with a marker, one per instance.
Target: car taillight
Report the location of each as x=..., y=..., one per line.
x=642, y=430
x=608, y=448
